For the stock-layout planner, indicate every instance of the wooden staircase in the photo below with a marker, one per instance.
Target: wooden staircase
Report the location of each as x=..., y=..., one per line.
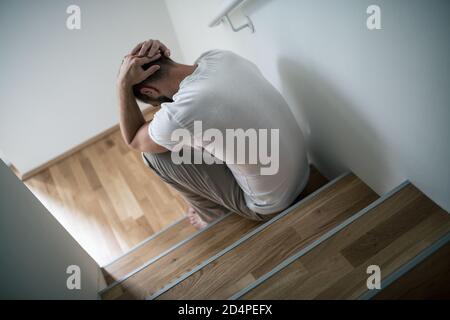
x=318, y=249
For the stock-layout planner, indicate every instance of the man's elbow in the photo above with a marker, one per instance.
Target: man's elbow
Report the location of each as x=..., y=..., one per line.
x=144, y=146
x=134, y=144
x=129, y=141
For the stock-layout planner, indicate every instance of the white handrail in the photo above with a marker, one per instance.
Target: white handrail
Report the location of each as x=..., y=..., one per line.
x=224, y=14
x=230, y=6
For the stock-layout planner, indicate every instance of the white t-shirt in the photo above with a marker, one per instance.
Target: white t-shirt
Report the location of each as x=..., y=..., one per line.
x=227, y=92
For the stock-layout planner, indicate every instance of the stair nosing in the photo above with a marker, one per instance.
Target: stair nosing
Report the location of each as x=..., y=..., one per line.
x=406, y=267
x=163, y=254
x=317, y=242
x=144, y=242
x=245, y=238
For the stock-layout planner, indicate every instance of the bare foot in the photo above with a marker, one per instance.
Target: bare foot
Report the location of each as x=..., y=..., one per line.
x=196, y=220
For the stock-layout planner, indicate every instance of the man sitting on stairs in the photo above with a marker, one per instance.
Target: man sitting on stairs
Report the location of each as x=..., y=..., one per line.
x=221, y=92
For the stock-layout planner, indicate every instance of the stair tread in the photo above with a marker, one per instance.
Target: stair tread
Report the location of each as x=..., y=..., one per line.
x=429, y=280
x=255, y=257
x=389, y=235
x=173, y=265
x=207, y=244
x=151, y=249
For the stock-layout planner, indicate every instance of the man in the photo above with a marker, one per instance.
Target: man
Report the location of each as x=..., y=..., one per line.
x=220, y=92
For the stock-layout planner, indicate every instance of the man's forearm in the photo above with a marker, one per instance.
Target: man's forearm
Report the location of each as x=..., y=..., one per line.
x=131, y=117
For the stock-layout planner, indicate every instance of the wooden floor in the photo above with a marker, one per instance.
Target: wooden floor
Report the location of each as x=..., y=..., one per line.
x=257, y=256
x=387, y=236
x=106, y=198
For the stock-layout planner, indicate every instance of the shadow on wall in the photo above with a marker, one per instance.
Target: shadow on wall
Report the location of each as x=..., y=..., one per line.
x=326, y=111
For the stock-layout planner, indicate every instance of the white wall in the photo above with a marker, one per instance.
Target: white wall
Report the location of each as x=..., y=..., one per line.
x=35, y=250
x=375, y=102
x=3, y=157
x=56, y=85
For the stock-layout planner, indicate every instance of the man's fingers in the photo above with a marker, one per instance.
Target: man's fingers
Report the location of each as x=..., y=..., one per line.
x=136, y=49
x=141, y=60
x=126, y=59
x=151, y=70
x=150, y=48
x=155, y=57
x=164, y=49
x=145, y=47
x=154, y=48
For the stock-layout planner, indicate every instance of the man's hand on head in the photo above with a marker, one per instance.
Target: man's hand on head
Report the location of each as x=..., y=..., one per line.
x=150, y=48
x=131, y=71
x=132, y=123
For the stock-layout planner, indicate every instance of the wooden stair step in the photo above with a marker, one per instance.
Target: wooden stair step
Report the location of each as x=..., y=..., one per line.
x=388, y=235
x=429, y=280
x=148, y=250
x=253, y=258
x=192, y=253
x=164, y=270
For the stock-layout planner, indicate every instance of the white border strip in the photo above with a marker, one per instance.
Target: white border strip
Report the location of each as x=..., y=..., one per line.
x=153, y=260
x=317, y=242
x=170, y=285
x=401, y=271
x=153, y=236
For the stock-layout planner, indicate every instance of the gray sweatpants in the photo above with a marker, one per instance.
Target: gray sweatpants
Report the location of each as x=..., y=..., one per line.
x=211, y=190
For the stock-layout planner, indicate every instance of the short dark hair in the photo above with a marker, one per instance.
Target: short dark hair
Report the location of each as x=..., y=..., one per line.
x=165, y=64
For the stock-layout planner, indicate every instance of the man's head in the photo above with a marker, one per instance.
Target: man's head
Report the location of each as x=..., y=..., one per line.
x=153, y=90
